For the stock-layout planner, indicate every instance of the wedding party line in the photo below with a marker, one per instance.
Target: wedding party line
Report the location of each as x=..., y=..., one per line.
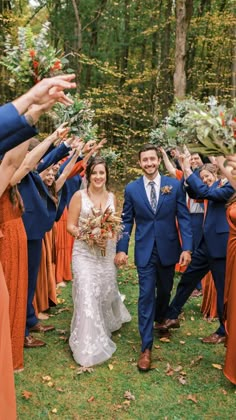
x=59, y=222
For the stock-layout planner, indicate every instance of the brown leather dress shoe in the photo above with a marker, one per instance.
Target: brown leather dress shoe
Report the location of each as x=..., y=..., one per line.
x=170, y=323
x=31, y=342
x=214, y=339
x=41, y=328
x=144, y=362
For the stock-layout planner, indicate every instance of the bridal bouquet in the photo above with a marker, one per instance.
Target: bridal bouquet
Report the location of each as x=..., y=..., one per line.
x=100, y=226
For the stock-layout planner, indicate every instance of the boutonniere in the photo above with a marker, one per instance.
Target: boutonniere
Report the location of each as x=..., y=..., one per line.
x=166, y=189
x=222, y=182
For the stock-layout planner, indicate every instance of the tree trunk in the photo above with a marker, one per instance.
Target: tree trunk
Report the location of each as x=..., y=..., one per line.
x=184, y=10
x=78, y=40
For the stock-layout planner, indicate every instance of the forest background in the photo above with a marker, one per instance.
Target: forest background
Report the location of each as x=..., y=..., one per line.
x=133, y=58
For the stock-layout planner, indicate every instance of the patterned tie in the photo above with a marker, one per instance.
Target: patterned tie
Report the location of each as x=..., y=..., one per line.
x=153, y=196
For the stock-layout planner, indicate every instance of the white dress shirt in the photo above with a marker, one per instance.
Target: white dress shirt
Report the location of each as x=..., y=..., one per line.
x=157, y=185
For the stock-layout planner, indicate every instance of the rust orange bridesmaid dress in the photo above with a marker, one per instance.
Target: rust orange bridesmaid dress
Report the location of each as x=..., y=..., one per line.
x=45, y=294
x=7, y=389
x=230, y=297
x=209, y=299
x=13, y=256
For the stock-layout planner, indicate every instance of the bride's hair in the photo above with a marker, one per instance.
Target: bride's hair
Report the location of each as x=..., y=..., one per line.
x=92, y=162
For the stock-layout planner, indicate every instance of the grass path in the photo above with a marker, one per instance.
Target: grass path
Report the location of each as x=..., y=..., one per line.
x=183, y=383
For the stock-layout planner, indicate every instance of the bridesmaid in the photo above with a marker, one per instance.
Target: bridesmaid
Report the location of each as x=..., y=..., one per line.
x=230, y=294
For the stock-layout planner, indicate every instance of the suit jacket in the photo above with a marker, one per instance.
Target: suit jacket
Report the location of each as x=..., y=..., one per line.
x=14, y=129
x=159, y=227
x=215, y=226
x=53, y=156
x=40, y=209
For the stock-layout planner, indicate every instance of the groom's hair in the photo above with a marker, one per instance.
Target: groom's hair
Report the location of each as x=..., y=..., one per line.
x=149, y=146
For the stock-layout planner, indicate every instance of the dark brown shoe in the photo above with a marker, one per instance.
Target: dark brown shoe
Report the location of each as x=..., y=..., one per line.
x=214, y=339
x=40, y=328
x=170, y=323
x=144, y=362
x=31, y=342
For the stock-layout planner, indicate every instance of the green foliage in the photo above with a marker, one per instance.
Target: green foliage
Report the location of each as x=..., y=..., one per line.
x=32, y=59
x=80, y=117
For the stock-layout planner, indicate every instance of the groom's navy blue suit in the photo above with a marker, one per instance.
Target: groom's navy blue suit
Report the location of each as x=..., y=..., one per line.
x=157, y=246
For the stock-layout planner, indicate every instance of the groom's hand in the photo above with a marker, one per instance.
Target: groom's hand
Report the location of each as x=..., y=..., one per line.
x=121, y=259
x=185, y=258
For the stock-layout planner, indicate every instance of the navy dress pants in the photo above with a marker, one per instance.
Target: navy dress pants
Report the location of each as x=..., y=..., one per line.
x=200, y=265
x=155, y=285
x=34, y=257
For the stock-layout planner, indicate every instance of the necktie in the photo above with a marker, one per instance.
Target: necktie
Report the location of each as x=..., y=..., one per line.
x=153, y=196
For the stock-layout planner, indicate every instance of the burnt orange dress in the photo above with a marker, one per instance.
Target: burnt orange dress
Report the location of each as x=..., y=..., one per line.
x=230, y=297
x=45, y=294
x=14, y=259
x=64, y=241
x=209, y=300
x=63, y=250
x=7, y=389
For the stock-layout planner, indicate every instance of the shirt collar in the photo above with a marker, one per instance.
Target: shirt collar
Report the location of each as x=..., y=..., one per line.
x=157, y=180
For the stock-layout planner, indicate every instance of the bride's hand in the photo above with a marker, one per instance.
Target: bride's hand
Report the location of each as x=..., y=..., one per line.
x=101, y=243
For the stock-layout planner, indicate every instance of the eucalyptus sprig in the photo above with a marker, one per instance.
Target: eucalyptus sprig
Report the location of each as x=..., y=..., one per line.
x=110, y=156
x=80, y=117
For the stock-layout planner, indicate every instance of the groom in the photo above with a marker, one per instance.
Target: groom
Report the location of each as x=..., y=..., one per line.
x=154, y=202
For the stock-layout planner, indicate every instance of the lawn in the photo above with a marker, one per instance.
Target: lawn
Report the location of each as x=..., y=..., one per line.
x=186, y=381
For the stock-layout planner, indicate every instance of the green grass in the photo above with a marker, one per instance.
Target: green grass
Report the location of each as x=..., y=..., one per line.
x=159, y=394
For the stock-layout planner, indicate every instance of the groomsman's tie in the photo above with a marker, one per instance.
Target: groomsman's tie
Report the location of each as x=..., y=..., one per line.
x=153, y=196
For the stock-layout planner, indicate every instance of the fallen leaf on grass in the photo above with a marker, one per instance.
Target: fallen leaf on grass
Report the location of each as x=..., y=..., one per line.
x=224, y=391
x=60, y=300
x=62, y=310
x=182, y=342
x=46, y=378
x=126, y=402
x=157, y=347
x=54, y=411
x=169, y=371
x=165, y=340
x=60, y=390
x=192, y=397
x=26, y=394
x=72, y=367
x=196, y=361
x=84, y=369
x=61, y=331
x=62, y=337
x=129, y=396
x=134, y=349
x=178, y=368
x=216, y=366
x=91, y=399
x=50, y=384
x=182, y=380
x=110, y=367
x=192, y=318
x=189, y=333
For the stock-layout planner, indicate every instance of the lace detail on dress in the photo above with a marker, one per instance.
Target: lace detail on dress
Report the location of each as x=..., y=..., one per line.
x=98, y=308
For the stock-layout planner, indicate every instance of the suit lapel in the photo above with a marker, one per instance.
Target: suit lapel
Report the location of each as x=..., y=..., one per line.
x=161, y=196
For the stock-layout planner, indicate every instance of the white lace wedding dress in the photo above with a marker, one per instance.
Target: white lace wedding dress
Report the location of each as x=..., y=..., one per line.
x=98, y=307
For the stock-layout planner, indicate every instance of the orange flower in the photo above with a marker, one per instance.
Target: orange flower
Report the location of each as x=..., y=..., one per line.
x=32, y=53
x=35, y=64
x=56, y=66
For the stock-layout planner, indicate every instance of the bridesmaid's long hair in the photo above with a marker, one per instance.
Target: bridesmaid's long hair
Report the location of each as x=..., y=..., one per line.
x=94, y=161
x=15, y=198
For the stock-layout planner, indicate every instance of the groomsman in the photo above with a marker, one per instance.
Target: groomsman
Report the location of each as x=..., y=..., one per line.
x=210, y=253
x=154, y=202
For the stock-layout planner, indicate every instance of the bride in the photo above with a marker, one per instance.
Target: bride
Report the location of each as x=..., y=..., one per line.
x=98, y=307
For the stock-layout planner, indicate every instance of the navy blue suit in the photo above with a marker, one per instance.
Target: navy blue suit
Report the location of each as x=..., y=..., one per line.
x=38, y=218
x=211, y=251
x=157, y=247
x=14, y=129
